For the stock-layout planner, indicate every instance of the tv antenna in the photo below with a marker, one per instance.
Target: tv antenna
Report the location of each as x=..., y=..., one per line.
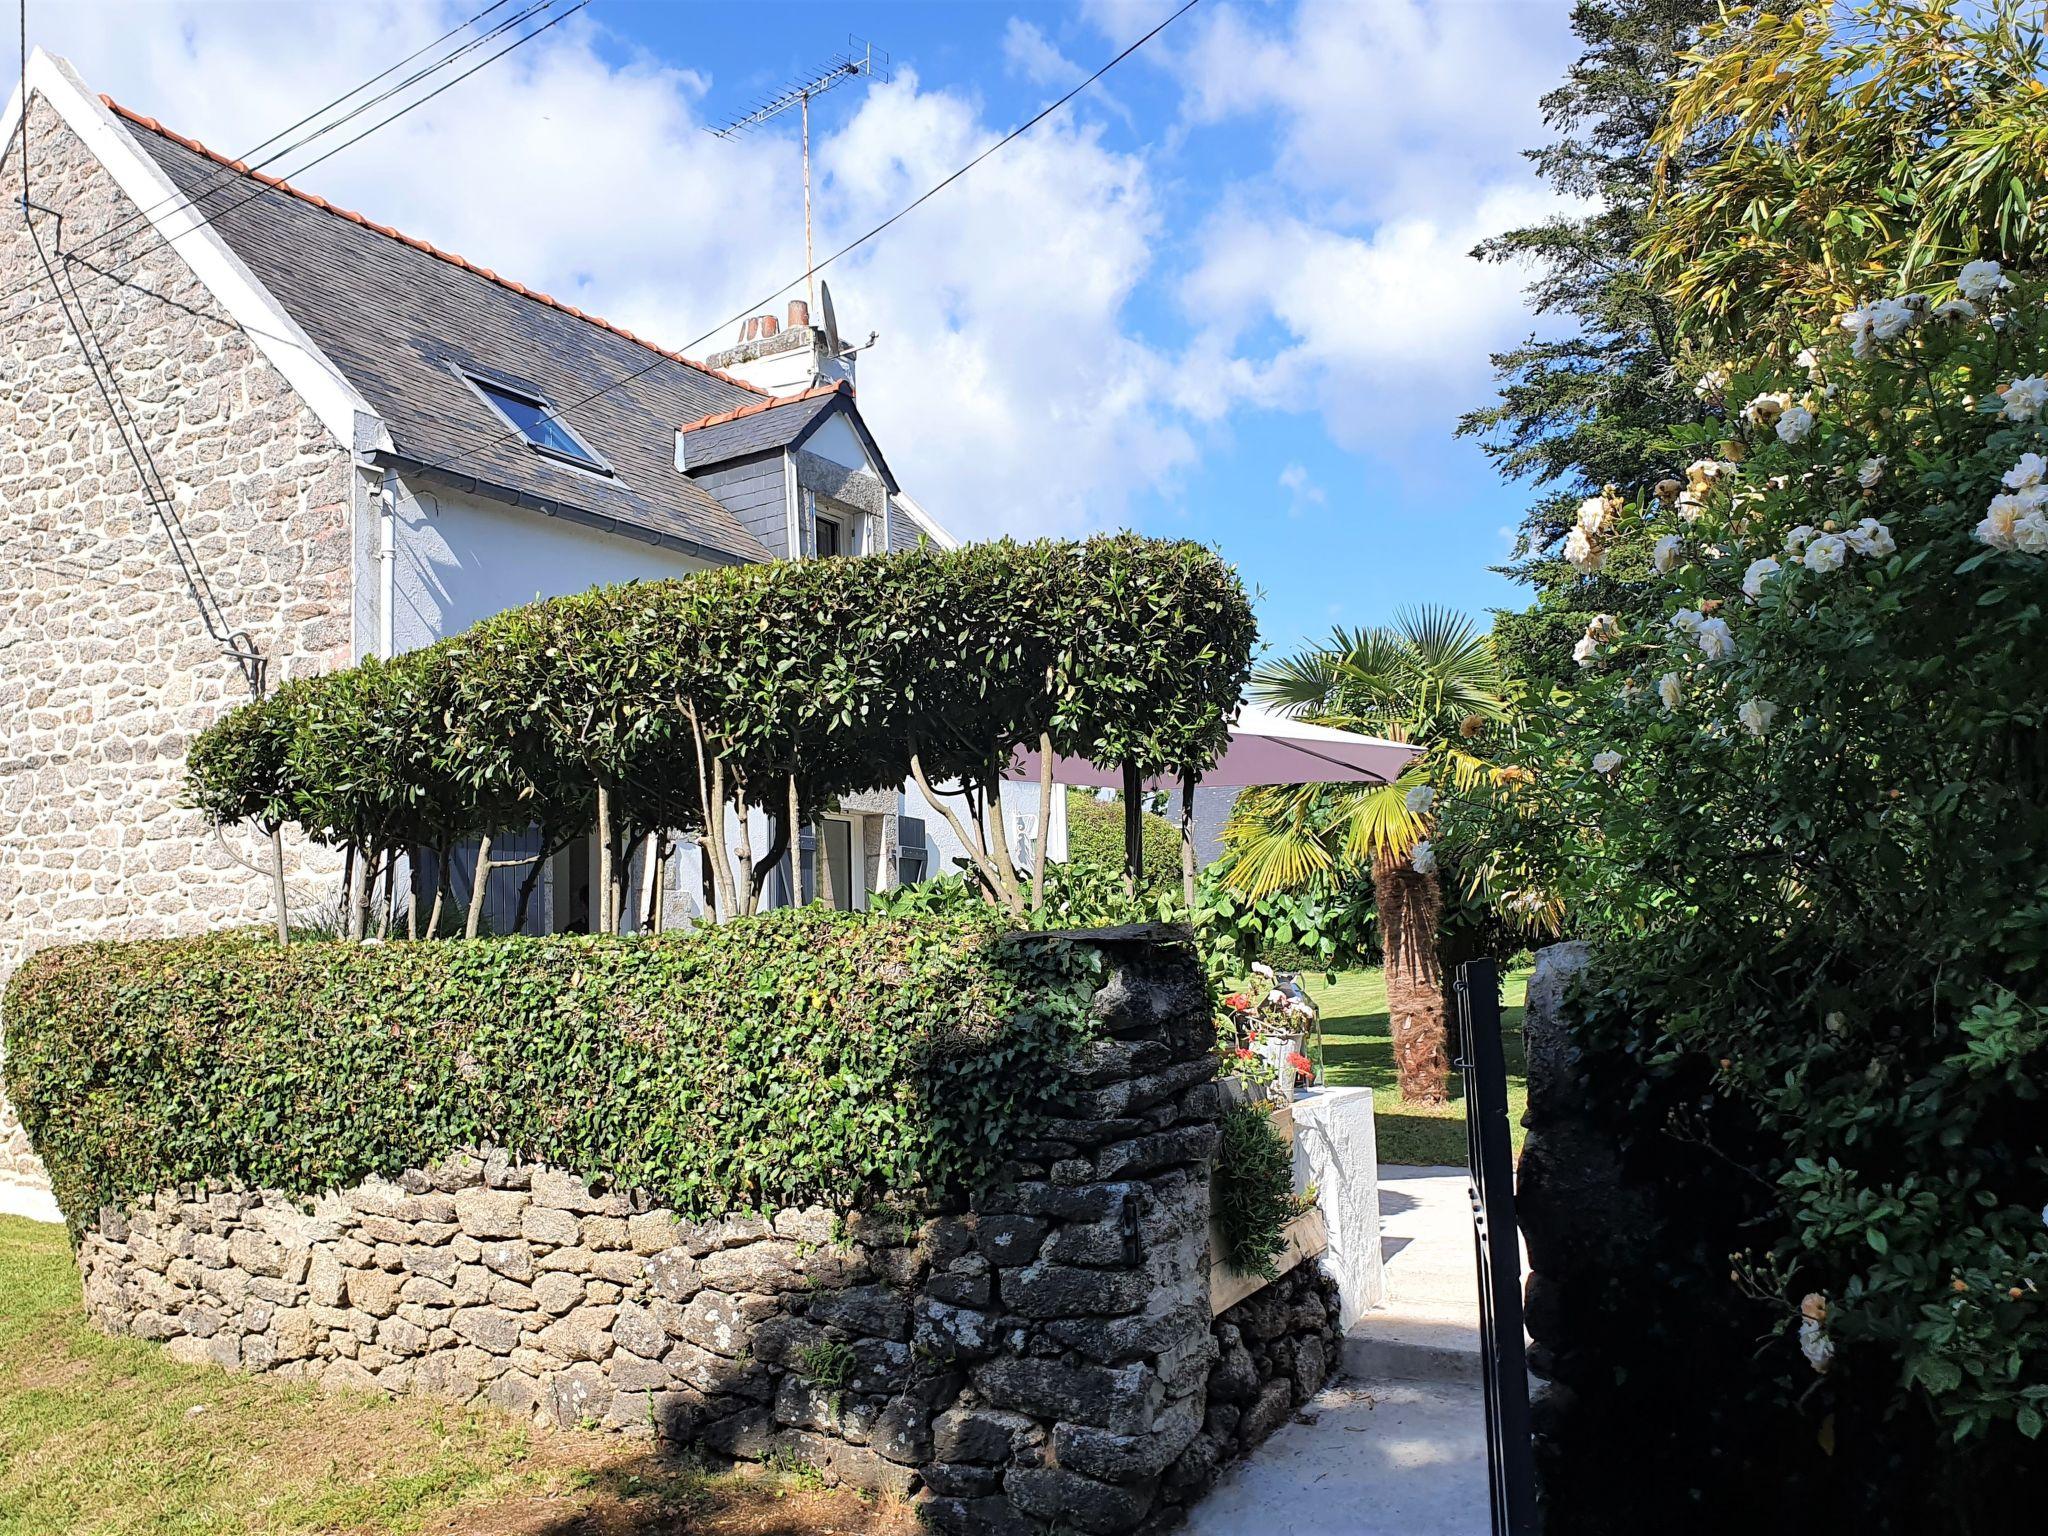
x=860, y=58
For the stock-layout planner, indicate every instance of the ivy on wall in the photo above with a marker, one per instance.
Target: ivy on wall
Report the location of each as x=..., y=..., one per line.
x=803, y=1056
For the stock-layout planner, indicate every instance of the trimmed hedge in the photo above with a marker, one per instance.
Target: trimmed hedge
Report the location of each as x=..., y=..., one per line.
x=802, y=1056
x=1095, y=838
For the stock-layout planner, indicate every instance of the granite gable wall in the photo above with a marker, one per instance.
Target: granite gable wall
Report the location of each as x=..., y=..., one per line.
x=106, y=667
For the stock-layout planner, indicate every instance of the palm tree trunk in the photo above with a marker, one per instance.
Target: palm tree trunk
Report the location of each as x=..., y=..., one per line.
x=1410, y=909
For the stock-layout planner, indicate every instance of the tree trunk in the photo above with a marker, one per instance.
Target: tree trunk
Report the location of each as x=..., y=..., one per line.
x=601, y=918
x=284, y=926
x=1410, y=908
x=532, y=880
x=1187, y=839
x=1134, y=832
x=1044, y=823
x=444, y=890
x=479, y=887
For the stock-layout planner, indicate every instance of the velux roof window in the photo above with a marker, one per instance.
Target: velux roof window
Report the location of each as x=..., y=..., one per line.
x=536, y=421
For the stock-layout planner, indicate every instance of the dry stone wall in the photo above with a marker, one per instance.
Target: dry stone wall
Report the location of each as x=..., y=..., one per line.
x=106, y=670
x=1044, y=1359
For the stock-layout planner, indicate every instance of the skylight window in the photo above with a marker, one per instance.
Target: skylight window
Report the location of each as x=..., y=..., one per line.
x=535, y=420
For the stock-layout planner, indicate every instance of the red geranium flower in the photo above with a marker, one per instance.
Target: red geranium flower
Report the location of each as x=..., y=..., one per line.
x=1243, y=1054
x=1303, y=1067
x=1237, y=1001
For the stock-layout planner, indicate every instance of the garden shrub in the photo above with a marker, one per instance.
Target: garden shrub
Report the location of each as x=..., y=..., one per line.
x=801, y=1056
x=1095, y=839
x=1802, y=811
x=1252, y=1193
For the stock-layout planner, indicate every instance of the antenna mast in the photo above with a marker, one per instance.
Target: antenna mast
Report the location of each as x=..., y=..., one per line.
x=860, y=58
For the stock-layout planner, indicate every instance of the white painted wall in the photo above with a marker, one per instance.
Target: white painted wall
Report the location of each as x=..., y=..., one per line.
x=836, y=440
x=1020, y=806
x=461, y=559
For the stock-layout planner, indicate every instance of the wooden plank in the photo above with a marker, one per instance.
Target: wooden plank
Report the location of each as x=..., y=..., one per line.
x=1306, y=1238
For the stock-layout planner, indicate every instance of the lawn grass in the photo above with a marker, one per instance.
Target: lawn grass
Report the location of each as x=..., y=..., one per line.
x=108, y=1437
x=1357, y=1053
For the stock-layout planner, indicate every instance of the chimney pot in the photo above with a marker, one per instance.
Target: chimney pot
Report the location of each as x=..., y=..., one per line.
x=751, y=329
x=769, y=326
x=799, y=314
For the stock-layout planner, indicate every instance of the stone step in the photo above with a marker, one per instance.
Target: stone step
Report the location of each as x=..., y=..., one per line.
x=1389, y=1345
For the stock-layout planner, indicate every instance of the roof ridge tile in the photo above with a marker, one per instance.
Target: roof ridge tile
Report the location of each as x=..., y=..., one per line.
x=755, y=408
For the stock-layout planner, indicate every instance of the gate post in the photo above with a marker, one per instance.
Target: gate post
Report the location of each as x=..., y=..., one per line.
x=1497, y=1246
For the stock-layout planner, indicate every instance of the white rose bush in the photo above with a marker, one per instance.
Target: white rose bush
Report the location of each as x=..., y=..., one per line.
x=1798, y=798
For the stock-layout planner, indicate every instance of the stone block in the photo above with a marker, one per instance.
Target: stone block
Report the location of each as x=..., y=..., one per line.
x=585, y=1334
x=634, y=1329
x=563, y=1192
x=549, y=1225
x=762, y=1267
x=673, y=1275
x=490, y=1213
x=981, y=1435
x=1079, y=1503
x=1045, y=1290
x=513, y=1259
x=1121, y=1398
x=493, y=1330
x=1115, y=1458
x=577, y=1396
x=1010, y=1240
x=873, y=1310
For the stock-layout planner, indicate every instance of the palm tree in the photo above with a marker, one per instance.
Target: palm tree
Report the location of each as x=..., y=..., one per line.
x=1431, y=678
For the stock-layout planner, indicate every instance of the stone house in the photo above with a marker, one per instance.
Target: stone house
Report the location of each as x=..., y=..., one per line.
x=246, y=435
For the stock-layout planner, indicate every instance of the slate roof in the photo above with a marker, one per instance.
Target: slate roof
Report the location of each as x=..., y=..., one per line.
x=766, y=425
x=400, y=318
x=756, y=427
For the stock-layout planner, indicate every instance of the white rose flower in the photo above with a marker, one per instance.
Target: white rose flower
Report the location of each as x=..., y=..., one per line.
x=1686, y=621
x=1810, y=362
x=1419, y=800
x=1825, y=553
x=2024, y=398
x=1999, y=521
x=1580, y=551
x=1593, y=514
x=1711, y=384
x=1756, y=715
x=1814, y=1343
x=1795, y=425
x=1716, y=641
x=1605, y=763
x=2031, y=470
x=1892, y=318
x=1668, y=691
x=1871, y=538
x=1587, y=651
x=1603, y=627
x=1766, y=408
x=1955, y=310
x=1980, y=280
x=2030, y=534
x=1422, y=859
x=1870, y=471
x=1795, y=541
x=1664, y=556
x=1759, y=572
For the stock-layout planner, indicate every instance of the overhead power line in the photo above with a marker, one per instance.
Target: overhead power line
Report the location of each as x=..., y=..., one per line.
x=556, y=414
x=228, y=177
x=174, y=201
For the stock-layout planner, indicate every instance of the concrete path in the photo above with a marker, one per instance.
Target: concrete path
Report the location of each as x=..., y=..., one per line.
x=1401, y=1458
x=1397, y=1445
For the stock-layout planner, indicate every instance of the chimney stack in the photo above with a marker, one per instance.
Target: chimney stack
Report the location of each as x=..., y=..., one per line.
x=799, y=314
x=783, y=354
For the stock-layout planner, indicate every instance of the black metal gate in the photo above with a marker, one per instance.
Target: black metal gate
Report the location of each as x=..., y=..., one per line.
x=1510, y=1465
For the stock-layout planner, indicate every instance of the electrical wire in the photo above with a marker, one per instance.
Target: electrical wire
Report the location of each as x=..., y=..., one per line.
x=262, y=188
x=555, y=413
x=171, y=202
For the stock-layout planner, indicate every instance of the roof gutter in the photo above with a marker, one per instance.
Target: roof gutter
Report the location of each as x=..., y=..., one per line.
x=548, y=506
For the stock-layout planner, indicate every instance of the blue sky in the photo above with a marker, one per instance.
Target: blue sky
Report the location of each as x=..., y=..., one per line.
x=1223, y=295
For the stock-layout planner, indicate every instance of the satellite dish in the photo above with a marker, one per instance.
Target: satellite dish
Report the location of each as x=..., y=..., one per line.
x=831, y=321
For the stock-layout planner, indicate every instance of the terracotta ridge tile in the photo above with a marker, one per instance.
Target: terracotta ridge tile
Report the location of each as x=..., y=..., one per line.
x=418, y=244
x=755, y=408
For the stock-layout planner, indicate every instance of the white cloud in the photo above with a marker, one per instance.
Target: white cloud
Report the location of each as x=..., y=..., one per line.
x=1382, y=332
x=1302, y=490
x=1004, y=388
x=1033, y=55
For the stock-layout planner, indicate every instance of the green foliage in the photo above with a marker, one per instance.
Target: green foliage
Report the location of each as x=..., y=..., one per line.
x=1813, y=865
x=1856, y=150
x=1095, y=840
x=1252, y=1193
x=801, y=1056
x=1430, y=678
x=671, y=703
x=827, y=1363
x=1306, y=931
x=1585, y=403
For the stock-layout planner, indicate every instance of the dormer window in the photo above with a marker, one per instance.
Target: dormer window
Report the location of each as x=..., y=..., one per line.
x=535, y=420
x=831, y=537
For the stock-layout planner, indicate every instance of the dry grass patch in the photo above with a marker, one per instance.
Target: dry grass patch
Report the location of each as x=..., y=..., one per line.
x=110, y=1437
